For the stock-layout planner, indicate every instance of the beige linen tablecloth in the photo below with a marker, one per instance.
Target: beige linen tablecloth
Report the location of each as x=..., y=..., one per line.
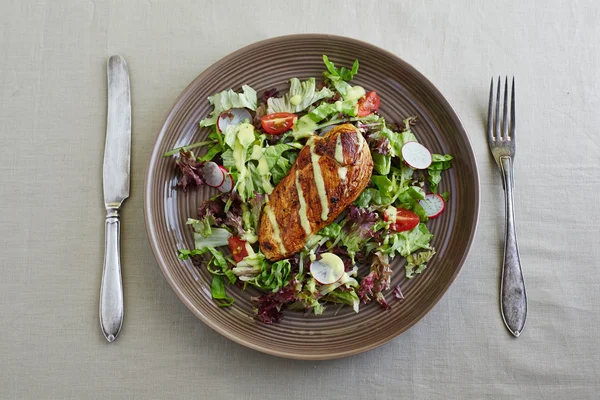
x=52, y=124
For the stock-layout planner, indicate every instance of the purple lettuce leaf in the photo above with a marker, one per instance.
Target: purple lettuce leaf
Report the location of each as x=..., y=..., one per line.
x=378, y=280
x=358, y=228
x=398, y=293
x=267, y=94
x=190, y=169
x=269, y=306
x=215, y=208
x=379, y=145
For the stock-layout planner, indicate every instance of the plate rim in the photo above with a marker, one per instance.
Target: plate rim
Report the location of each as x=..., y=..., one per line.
x=152, y=236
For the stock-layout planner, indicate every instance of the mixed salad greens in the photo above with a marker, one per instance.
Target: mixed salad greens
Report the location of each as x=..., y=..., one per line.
x=253, y=143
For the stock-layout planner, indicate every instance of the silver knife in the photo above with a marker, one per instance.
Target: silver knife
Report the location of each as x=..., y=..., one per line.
x=117, y=152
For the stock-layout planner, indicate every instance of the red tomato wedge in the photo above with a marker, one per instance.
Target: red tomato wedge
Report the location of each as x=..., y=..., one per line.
x=368, y=104
x=278, y=123
x=238, y=248
x=405, y=220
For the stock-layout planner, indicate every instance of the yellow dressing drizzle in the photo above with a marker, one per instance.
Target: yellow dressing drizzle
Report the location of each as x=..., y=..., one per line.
x=361, y=141
x=339, y=150
x=319, y=180
x=275, y=225
x=302, y=212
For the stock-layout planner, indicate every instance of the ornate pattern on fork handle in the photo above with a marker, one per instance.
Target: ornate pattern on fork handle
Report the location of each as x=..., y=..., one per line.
x=513, y=301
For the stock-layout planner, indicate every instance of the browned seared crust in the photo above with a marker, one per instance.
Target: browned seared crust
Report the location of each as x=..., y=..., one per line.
x=284, y=200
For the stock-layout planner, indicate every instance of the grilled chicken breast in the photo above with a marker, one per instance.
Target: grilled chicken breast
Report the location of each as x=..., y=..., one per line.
x=329, y=174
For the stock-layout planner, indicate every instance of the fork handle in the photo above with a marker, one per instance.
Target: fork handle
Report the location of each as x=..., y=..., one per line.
x=513, y=298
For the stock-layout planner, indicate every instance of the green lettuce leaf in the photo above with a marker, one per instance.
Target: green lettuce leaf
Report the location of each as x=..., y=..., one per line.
x=252, y=182
x=308, y=298
x=273, y=153
x=243, y=134
x=309, y=123
x=371, y=196
x=275, y=276
x=382, y=163
x=405, y=173
x=217, y=260
x=211, y=152
x=202, y=226
x=343, y=73
x=331, y=231
x=218, y=291
x=405, y=243
x=228, y=99
x=326, y=109
x=416, y=263
x=258, y=271
x=300, y=96
x=348, y=297
x=445, y=196
x=218, y=237
x=280, y=170
x=339, y=79
x=439, y=163
x=384, y=184
x=397, y=140
x=420, y=211
x=228, y=159
x=347, y=91
x=216, y=148
x=410, y=196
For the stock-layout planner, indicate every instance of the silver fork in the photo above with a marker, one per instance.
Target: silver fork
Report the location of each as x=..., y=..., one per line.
x=501, y=138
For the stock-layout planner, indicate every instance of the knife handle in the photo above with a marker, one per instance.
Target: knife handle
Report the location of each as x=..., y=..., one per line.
x=111, y=289
x=513, y=297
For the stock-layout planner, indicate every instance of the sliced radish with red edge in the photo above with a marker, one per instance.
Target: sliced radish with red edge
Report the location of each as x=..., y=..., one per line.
x=213, y=174
x=328, y=269
x=433, y=204
x=235, y=116
x=227, y=184
x=416, y=155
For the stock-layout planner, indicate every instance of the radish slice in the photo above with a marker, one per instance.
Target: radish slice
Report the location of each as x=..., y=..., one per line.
x=416, y=155
x=213, y=175
x=433, y=204
x=235, y=116
x=327, y=270
x=227, y=184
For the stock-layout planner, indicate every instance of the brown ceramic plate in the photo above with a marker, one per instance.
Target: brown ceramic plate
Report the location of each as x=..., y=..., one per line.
x=338, y=333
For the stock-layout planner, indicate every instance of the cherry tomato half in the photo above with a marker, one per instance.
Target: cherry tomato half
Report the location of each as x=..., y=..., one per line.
x=278, y=123
x=238, y=248
x=368, y=104
x=405, y=220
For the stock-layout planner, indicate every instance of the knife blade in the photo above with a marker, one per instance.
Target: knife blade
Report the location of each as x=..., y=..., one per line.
x=117, y=150
x=118, y=134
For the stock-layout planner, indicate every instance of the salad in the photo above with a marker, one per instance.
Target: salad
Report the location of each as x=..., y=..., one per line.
x=259, y=146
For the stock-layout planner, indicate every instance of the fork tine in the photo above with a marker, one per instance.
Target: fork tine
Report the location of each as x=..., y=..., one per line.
x=491, y=113
x=505, y=121
x=513, y=121
x=497, y=125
